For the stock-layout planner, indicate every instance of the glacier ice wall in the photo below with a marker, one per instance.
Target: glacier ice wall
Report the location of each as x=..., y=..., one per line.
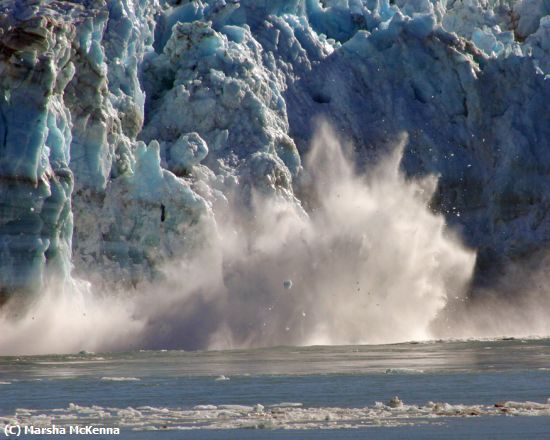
x=126, y=124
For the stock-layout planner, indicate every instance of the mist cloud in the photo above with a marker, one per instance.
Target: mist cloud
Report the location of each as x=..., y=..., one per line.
x=367, y=263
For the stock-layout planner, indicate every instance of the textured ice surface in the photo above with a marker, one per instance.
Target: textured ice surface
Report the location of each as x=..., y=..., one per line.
x=123, y=124
x=278, y=416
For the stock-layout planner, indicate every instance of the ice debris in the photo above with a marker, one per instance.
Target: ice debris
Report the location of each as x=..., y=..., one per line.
x=283, y=416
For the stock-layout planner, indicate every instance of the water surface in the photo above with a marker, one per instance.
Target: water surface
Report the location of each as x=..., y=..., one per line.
x=444, y=388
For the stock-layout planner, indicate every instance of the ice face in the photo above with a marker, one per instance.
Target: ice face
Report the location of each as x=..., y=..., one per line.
x=35, y=128
x=135, y=119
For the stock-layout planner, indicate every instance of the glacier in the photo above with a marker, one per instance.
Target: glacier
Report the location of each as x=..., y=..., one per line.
x=125, y=125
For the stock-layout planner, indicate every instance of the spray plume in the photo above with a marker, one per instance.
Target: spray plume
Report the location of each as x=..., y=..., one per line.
x=368, y=263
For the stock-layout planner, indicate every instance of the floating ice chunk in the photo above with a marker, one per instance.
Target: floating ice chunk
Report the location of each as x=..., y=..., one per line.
x=395, y=402
x=205, y=407
x=403, y=371
x=287, y=416
x=221, y=378
x=242, y=408
x=120, y=379
x=525, y=405
x=129, y=413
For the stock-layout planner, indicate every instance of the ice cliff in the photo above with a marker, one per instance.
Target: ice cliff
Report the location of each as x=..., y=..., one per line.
x=124, y=124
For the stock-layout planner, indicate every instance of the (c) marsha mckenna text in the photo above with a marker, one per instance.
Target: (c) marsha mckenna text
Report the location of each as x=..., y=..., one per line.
x=17, y=430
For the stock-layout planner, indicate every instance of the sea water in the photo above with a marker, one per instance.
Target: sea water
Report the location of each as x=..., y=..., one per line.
x=441, y=389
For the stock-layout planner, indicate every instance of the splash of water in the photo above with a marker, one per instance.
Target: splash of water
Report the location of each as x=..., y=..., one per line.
x=68, y=318
x=368, y=263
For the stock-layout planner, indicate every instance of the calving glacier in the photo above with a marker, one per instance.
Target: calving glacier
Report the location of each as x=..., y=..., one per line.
x=169, y=177
x=366, y=262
